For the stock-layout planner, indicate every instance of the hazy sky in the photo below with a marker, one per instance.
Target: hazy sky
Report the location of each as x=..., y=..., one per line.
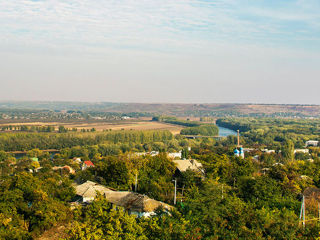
x=258, y=51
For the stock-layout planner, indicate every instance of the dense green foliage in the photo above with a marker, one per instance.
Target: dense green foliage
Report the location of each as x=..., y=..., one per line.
x=193, y=127
x=32, y=204
x=204, y=130
x=174, y=120
x=234, y=202
x=256, y=197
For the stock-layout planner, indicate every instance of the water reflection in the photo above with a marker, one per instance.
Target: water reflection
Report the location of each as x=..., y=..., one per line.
x=224, y=132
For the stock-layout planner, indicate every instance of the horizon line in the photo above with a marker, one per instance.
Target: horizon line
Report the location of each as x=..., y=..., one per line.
x=150, y=103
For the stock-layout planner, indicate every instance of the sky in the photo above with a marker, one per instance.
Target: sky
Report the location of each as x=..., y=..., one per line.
x=153, y=51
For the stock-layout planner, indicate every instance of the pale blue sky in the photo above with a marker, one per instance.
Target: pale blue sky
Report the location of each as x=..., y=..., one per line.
x=263, y=51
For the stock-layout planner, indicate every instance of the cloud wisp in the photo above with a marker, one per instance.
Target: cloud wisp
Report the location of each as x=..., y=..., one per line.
x=158, y=25
x=160, y=50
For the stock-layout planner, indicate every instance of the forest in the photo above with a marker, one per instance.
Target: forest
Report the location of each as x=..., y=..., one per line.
x=24, y=109
x=192, y=127
x=272, y=132
x=255, y=197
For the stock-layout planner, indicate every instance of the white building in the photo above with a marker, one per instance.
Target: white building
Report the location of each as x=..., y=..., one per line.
x=77, y=160
x=301, y=150
x=174, y=155
x=154, y=153
x=268, y=151
x=312, y=143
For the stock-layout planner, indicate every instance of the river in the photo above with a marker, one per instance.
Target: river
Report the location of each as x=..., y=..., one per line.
x=224, y=132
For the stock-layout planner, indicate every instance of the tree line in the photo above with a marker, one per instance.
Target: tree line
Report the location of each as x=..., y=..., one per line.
x=272, y=132
x=25, y=141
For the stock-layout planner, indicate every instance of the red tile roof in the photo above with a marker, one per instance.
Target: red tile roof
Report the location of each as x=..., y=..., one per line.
x=88, y=163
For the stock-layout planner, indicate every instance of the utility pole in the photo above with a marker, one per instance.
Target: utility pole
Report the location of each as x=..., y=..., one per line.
x=182, y=193
x=175, y=192
x=222, y=192
x=136, y=183
x=238, y=133
x=302, y=213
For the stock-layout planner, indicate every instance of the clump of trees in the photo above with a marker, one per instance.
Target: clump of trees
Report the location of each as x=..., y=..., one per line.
x=174, y=120
x=204, y=130
x=25, y=128
x=32, y=204
x=193, y=127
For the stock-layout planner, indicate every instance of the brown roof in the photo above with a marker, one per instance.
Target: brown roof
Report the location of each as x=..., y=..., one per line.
x=312, y=192
x=184, y=165
x=89, y=189
x=135, y=201
x=128, y=200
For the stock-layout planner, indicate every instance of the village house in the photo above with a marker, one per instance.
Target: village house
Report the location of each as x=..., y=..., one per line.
x=86, y=164
x=77, y=160
x=301, y=151
x=249, y=149
x=152, y=153
x=268, y=151
x=189, y=164
x=138, y=154
x=66, y=168
x=175, y=155
x=277, y=164
x=312, y=143
x=137, y=204
x=88, y=191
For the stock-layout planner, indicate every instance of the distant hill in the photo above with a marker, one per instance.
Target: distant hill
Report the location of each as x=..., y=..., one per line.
x=197, y=110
